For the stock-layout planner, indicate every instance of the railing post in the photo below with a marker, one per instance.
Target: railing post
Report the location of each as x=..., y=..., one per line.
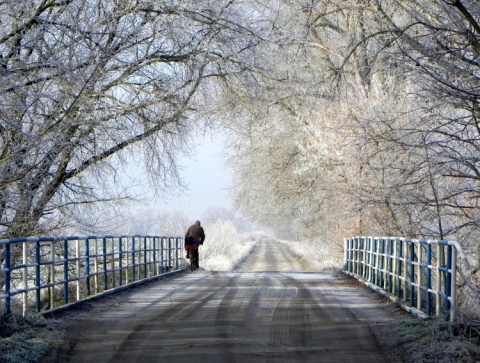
x=419, y=273
x=357, y=256
x=453, y=284
x=376, y=261
x=391, y=264
x=448, y=280
x=104, y=260
x=113, y=262
x=77, y=257
x=369, y=258
x=87, y=265
x=65, y=271
x=51, y=289
x=382, y=263
x=25, y=278
x=438, y=281
x=127, y=256
x=120, y=260
x=145, y=257
x=162, y=255
x=95, y=265
x=169, y=254
x=353, y=244
x=400, y=266
x=38, y=279
x=364, y=257
x=428, y=301
x=133, y=260
x=350, y=255
x=8, y=306
x=154, y=256
x=176, y=253
x=355, y=253
x=412, y=273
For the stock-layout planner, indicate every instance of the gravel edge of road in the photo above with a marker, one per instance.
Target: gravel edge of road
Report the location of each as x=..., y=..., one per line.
x=386, y=334
x=420, y=340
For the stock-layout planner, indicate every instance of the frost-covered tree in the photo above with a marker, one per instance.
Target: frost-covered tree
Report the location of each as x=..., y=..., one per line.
x=291, y=169
x=425, y=126
x=85, y=83
x=373, y=123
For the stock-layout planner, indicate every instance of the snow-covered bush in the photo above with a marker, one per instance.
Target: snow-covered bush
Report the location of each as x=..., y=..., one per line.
x=321, y=256
x=224, y=247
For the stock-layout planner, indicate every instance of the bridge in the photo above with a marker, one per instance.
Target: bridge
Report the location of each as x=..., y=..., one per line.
x=272, y=308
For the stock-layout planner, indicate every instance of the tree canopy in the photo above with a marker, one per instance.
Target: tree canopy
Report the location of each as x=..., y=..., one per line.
x=87, y=84
x=346, y=117
x=374, y=129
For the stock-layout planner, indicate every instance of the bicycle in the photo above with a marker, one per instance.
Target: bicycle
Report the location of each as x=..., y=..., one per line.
x=191, y=255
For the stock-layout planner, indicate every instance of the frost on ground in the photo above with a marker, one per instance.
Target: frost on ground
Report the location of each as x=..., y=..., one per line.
x=27, y=339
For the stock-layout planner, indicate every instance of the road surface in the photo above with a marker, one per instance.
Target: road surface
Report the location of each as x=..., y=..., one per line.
x=271, y=309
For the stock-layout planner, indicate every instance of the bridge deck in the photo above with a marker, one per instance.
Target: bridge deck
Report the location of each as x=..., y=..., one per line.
x=259, y=313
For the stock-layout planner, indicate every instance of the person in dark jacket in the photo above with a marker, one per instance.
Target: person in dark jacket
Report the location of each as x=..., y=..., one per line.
x=195, y=235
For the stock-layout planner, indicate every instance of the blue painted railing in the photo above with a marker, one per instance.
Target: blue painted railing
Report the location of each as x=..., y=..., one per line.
x=418, y=275
x=43, y=273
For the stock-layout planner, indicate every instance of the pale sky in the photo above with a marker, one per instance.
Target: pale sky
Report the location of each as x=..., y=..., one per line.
x=207, y=178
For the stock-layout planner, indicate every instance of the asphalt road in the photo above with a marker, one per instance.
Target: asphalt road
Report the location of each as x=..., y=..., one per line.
x=272, y=309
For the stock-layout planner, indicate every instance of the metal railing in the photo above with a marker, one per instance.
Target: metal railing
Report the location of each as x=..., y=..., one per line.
x=39, y=274
x=418, y=275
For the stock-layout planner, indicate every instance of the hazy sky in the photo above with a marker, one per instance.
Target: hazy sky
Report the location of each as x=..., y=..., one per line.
x=207, y=177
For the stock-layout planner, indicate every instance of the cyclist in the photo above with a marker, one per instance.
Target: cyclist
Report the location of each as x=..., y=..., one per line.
x=195, y=235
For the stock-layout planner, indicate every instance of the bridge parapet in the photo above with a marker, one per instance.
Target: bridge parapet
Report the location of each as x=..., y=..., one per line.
x=42, y=273
x=417, y=274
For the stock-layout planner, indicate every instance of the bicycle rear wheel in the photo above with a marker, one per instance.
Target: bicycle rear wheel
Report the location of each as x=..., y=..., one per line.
x=192, y=262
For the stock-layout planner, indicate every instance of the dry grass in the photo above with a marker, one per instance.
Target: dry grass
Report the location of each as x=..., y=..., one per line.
x=435, y=341
x=27, y=339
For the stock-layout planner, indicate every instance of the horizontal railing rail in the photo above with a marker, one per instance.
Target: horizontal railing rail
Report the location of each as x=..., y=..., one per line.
x=419, y=275
x=42, y=273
